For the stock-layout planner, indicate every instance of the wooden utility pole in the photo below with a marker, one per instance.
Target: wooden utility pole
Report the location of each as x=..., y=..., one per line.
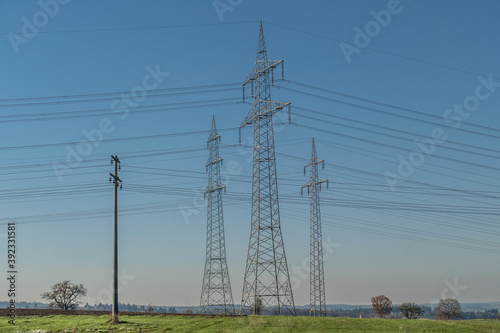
x=114, y=177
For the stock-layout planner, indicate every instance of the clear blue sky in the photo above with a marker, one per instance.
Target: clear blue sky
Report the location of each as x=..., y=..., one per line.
x=441, y=224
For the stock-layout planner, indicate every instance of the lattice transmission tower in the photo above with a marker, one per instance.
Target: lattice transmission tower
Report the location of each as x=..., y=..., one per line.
x=317, y=273
x=267, y=281
x=216, y=295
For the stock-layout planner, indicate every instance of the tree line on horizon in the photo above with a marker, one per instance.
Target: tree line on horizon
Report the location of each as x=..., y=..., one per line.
x=446, y=309
x=67, y=296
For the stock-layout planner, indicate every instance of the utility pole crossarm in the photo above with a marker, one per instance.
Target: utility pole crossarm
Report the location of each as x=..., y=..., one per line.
x=115, y=177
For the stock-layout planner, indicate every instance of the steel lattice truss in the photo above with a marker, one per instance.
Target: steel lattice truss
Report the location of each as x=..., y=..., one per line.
x=317, y=293
x=216, y=295
x=266, y=281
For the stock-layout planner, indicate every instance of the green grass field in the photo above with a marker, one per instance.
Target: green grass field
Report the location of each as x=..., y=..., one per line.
x=240, y=324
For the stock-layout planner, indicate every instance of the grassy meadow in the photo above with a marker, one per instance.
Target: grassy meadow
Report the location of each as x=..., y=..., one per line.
x=174, y=323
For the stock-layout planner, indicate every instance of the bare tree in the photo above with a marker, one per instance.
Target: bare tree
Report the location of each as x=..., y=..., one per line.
x=149, y=309
x=381, y=305
x=65, y=295
x=411, y=310
x=189, y=309
x=448, y=308
x=257, y=306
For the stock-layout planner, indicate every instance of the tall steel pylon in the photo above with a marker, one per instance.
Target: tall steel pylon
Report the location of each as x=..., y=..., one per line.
x=317, y=273
x=267, y=281
x=216, y=295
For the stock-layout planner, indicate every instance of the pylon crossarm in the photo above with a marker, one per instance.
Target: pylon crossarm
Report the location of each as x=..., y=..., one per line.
x=267, y=112
x=215, y=161
x=314, y=163
x=213, y=137
x=259, y=70
x=217, y=188
x=316, y=183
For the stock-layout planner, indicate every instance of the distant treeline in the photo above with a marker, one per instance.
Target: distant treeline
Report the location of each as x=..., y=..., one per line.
x=130, y=307
x=101, y=307
x=364, y=312
x=487, y=314
x=367, y=312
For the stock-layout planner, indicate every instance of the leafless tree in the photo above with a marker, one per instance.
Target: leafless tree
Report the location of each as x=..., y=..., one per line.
x=189, y=309
x=381, y=305
x=411, y=310
x=149, y=308
x=448, y=308
x=257, y=306
x=65, y=295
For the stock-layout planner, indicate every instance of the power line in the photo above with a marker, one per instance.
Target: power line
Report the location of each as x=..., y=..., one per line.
x=151, y=95
x=165, y=107
x=383, y=52
x=145, y=137
x=392, y=135
x=412, y=238
x=387, y=112
x=329, y=91
x=372, y=174
x=479, y=165
x=137, y=28
x=390, y=128
x=358, y=150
